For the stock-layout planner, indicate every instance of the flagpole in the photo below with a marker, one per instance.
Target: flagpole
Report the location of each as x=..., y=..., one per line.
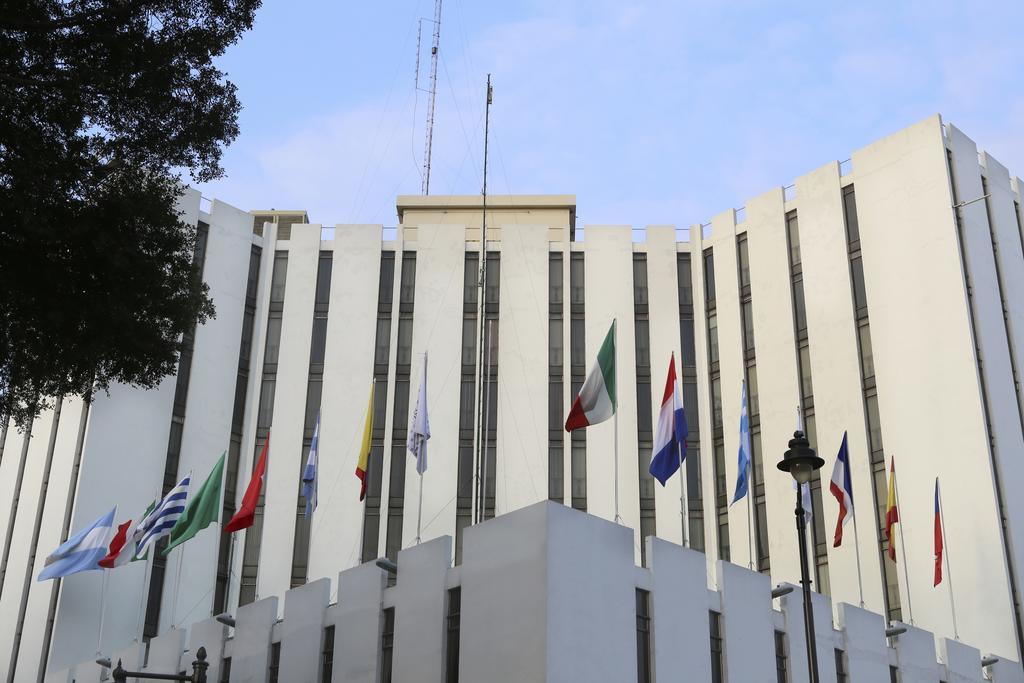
x=486, y=422
x=856, y=548
x=615, y=371
x=682, y=471
x=419, y=513
x=177, y=585
x=103, y=613
x=147, y=577
x=945, y=553
x=750, y=515
x=903, y=548
x=809, y=528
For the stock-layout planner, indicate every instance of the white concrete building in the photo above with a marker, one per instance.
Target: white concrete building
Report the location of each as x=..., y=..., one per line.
x=546, y=593
x=875, y=294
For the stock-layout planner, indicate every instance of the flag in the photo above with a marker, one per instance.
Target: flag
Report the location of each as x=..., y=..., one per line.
x=842, y=488
x=670, y=439
x=743, y=477
x=122, y=546
x=311, y=475
x=159, y=522
x=938, y=537
x=82, y=552
x=363, y=463
x=202, y=511
x=246, y=514
x=419, y=425
x=596, y=401
x=892, y=515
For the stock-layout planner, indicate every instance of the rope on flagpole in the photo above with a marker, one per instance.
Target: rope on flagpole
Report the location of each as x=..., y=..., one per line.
x=103, y=613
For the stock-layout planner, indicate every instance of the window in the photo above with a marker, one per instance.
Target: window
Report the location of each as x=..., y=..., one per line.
x=781, y=671
x=713, y=338
x=225, y=670
x=278, y=277
x=743, y=262
x=640, y=279
x=323, y=278
x=318, y=347
x=709, y=277
x=452, y=642
x=408, y=290
x=273, y=345
x=555, y=342
x=793, y=234
x=555, y=281
x=717, y=662
x=685, y=280
x=850, y=215
x=576, y=278
x=327, y=656
x=275, y=663
x=842, y=675
x=387, y=644
x=643, y=636
x=894, y=674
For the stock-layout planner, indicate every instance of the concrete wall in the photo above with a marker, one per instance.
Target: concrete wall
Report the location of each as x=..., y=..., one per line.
x=548, y=595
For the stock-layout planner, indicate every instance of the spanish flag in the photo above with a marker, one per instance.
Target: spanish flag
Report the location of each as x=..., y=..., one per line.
x=892, y=514
x=363, y=463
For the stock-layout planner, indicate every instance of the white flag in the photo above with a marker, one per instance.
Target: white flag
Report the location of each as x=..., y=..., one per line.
x=419, y=425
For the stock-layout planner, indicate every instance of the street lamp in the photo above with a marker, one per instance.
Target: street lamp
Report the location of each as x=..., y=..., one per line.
x=801, y=461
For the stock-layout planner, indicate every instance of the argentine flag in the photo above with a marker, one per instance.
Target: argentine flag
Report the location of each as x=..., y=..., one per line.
x=81, y=552
x=670, y=439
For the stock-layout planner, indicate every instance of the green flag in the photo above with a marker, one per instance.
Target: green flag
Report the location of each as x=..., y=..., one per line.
x=202, y=511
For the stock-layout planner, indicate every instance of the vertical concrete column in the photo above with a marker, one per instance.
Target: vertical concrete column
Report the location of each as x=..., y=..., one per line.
x=915, y=652
x=680, y=631
x=130, y=657
x=1003, y=671
x=504, y=628
x=793, y=607
x=591, y=596
x=420, y=630
x=867, y=654
x=962, y=663
x=62, y=676
x=165, y=652
x=302, y=631
x=747, y=624
x=253, y=629
x=210, y=634
x=357, y=634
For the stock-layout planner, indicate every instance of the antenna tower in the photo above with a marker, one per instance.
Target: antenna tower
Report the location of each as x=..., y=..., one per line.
x=434, y=49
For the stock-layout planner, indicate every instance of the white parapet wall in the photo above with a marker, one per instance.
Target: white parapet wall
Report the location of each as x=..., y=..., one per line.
x=549, y=593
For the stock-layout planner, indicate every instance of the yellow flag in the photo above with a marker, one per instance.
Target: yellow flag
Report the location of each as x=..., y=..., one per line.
x=364, y=449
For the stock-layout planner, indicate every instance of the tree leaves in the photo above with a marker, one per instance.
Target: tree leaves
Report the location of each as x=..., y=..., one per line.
x=102, y=104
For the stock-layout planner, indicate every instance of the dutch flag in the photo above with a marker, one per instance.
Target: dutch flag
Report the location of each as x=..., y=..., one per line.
x=842, y=488
x=670, y=439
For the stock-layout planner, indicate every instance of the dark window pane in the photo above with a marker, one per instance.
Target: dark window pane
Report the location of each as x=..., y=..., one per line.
x=577, y=343
x=470, y=281
x=408, y=291
x=318, y=348
x=713, y=338
x=867, y=358
x=793, y=233
x=850, y=214
x=386, y=290
x=799, y=310
x=743, y=259
x=689, y=350
x=643, y=343
x=860, y=297
x=709, y=276
x=685, y=279
x=639, y=279
x=555, y=280
x=576, y=279
x=382, y=343
x=747, y=311
x=273, y=345
x=323, y=278
x=278, y=277
x=555, y=336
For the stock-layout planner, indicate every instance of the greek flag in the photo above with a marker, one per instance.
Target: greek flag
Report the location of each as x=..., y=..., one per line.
x=311, y=474
x=743, y=477
x=162, y=518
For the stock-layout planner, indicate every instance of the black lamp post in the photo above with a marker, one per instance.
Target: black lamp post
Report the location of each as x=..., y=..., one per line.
x=801, y=461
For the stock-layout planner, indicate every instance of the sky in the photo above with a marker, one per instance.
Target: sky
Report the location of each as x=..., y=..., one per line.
x=649, y=112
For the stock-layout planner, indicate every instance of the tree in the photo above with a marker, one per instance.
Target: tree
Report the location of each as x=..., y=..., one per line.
x=104, y=106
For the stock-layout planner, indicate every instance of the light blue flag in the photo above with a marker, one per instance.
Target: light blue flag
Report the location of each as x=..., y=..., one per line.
x=82, y=552
x=743, y=478
x=311, y=474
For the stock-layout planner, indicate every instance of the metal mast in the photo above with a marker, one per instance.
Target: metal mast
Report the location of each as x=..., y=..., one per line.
x=483, y=373
x=432, y=91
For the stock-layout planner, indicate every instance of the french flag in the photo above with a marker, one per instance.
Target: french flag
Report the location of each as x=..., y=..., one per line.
x=670, y=439
x=842, y=488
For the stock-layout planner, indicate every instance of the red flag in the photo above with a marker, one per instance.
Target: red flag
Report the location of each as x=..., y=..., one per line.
x=938, y=537
x=116, y=543
x=243, y=519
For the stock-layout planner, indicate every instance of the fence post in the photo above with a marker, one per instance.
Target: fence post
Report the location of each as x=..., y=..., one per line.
x=199, y=666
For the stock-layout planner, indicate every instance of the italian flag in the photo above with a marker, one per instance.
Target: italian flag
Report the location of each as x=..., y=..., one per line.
x=596, y=401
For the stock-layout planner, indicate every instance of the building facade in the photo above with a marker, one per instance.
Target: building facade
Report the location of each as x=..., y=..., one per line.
x=879, y=297
x=547, y=593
